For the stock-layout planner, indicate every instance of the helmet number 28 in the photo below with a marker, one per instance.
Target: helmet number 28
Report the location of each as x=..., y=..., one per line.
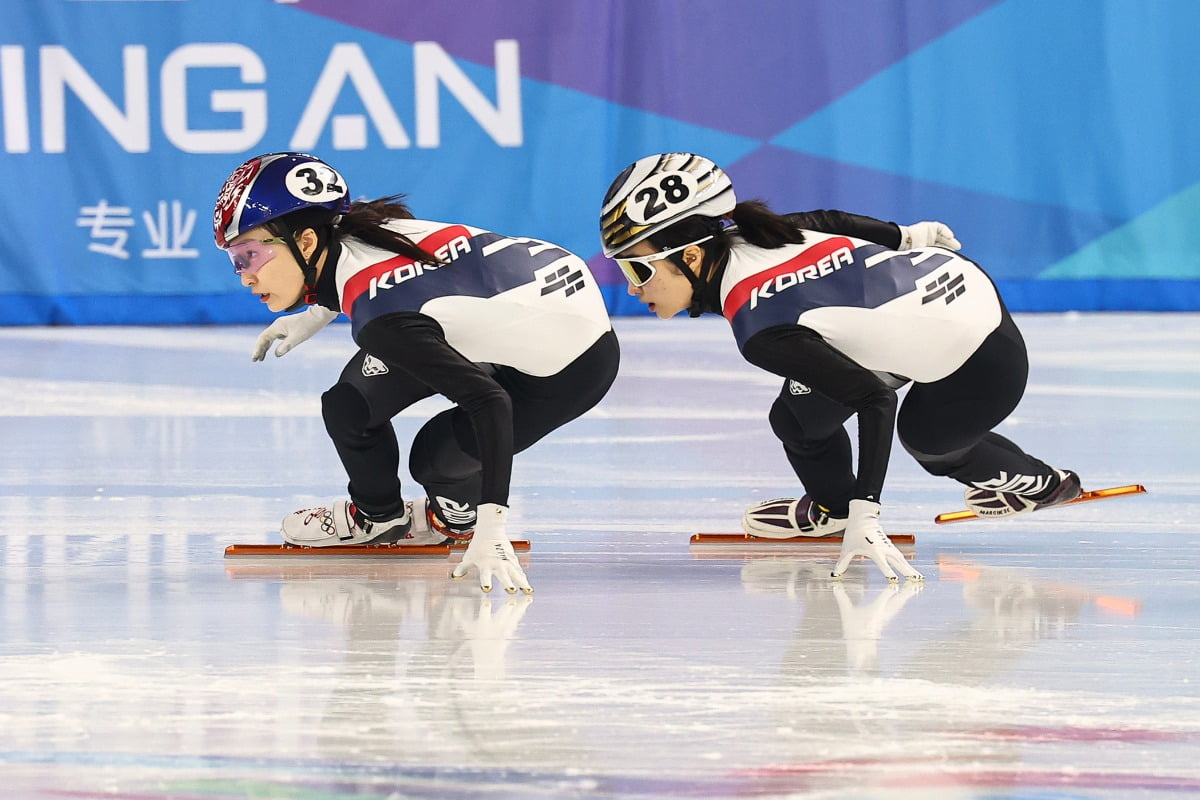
x=315, y=183
x=660, y=196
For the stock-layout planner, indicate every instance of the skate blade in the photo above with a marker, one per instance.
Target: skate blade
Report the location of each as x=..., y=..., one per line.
x=1086, y=497
x=355, y=550
x=795, y=541
x=358, y=569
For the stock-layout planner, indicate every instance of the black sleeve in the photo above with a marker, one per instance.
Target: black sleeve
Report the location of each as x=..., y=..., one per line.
x=799, y=353
x=856, y=225
x=415, y=344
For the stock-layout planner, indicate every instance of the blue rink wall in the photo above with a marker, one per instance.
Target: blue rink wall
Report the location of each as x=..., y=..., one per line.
x=1057, y=139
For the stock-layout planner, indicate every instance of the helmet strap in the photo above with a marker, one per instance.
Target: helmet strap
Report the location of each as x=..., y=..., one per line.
x=717, y=227
x=696, y=307
x=308, y=295
x=700, y=289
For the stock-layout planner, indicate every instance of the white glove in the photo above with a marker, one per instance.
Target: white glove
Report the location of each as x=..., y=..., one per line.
x=927, y=234
x=864, y=537
x=491, y=553
x=292, y=330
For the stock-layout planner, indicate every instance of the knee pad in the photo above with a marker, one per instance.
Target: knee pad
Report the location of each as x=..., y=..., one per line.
x=783, y=424
x=801, y=441
x=437, y=457
x=345, y=411
x=789, y=431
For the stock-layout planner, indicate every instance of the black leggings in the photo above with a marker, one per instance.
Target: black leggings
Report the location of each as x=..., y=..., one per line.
x=443, y=458
x=945, y=425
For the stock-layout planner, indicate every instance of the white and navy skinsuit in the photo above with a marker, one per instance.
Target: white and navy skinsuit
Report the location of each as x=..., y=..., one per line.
x=847, y=321
x=513, y=331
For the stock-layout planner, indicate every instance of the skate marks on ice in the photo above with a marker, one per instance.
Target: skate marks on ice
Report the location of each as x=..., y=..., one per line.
x=374, y=678
x=136, y=662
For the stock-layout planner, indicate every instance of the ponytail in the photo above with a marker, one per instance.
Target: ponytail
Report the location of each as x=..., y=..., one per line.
x=762, y=227
x=366, y=219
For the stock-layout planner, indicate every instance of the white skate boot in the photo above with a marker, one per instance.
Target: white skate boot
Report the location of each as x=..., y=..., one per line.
x=790, y=518
x=345, y=524
x=994, y=503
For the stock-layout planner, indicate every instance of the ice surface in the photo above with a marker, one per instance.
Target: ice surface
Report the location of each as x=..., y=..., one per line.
x=1049, y=656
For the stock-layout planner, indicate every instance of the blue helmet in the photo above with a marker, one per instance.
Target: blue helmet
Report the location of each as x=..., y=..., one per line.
x=268, y=186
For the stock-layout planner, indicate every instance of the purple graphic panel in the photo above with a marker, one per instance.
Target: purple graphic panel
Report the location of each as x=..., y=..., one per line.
x=767, y=68
x=1005, y=235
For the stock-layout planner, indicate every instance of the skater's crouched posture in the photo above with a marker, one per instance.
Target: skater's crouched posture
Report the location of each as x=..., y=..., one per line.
x=511, y=330
x=847, y=309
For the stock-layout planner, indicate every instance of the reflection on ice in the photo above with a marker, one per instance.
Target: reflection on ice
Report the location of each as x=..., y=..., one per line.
x=137, y=663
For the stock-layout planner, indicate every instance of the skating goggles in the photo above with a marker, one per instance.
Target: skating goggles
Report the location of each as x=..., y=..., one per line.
x=249, y=257
x=638, y=270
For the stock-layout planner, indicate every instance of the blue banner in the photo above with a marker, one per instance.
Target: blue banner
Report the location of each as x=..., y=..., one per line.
x=1056, y=139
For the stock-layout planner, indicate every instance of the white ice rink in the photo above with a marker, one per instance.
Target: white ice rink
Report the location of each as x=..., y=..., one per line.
x=1048, y=656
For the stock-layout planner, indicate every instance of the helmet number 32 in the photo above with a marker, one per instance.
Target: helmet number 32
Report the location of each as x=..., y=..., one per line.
x=660, y=196
x=315, y=183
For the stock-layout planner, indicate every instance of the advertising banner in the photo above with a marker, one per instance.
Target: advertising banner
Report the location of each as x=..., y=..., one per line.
x=1056, y=139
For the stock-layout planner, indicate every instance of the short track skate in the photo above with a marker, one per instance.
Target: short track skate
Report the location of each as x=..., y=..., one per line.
x=795, y=541
x=354, y=550
x=1086, y=497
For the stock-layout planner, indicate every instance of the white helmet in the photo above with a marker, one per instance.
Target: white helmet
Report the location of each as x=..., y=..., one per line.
x=657, y=191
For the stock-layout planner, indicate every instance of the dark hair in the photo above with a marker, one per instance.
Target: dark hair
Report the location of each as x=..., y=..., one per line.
x=756, y=224
x=364, y=221
x=762, y=227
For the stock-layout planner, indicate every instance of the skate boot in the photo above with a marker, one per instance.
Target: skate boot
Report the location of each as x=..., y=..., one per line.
x=789, y=518
x=993, y=503
x=460, y=516
x=426, y=528
x=345, y=524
